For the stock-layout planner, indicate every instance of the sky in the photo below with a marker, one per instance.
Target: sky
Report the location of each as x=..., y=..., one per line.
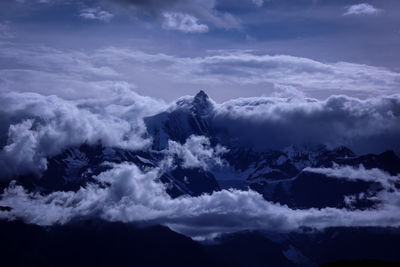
x=169, y=48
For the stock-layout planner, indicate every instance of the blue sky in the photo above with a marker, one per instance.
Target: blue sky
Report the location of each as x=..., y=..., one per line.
x=230, y=49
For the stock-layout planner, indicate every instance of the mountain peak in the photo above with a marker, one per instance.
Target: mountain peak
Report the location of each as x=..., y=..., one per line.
x=201, y=95
x=201, y=102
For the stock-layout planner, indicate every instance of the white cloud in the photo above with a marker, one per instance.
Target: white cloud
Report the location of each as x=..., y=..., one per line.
x=243, y=68
x=96, y=14
x=267, y=122
x=358, y=174
x=183, y=22
x=46, y=70
x=372, y=123
x=196, y=152
x=362, y=9
x=183, y=14
x=134, y=196
x=36, y=126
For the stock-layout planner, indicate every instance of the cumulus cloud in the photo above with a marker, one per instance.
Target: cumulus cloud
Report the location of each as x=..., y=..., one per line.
x=136, y=196
x=35, y=126
x=362, y=9
x=196, y=152
x=96, y=14
x=267, y=122
x=183, y=22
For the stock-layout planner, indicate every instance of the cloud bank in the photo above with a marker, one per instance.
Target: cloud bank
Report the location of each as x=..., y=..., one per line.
x=71, y=73
x=135, y=196
x=34, y=127
x=371, y=125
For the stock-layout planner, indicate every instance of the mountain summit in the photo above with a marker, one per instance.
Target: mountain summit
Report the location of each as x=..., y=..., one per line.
x=201, y=95
x=201, y=103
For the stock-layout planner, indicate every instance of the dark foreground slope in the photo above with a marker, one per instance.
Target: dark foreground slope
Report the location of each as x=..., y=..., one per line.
x=99, y=243
x=96, y=243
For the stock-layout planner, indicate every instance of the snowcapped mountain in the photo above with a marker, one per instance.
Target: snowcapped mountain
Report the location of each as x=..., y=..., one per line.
x=189, y=116
x=77, y=166
x=279, y=175
x=196, y=155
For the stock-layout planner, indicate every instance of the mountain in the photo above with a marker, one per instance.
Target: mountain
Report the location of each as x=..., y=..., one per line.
x=282, y=176
x=100, y=243
x=189, y=116
x=279, y=175
x=77, y=166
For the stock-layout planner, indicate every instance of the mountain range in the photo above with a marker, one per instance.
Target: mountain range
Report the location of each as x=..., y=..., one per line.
x=293, y=176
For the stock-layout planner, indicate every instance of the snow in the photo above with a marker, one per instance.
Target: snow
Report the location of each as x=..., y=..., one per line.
x=145, y=161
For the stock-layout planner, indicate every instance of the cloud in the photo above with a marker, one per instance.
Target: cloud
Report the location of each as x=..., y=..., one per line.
x=388, y=195
x=369, y=125
x=183, y=13
x=358, y=174
x=35, y=127
x=85, y=73
x=243, y=68
x=183, y=22
x=273, y=123
x=196, y=152
x=258, y=3
x=136, y=196
x=247, y=68
x=30, y=122
x=96, y=14
x=362, y=9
